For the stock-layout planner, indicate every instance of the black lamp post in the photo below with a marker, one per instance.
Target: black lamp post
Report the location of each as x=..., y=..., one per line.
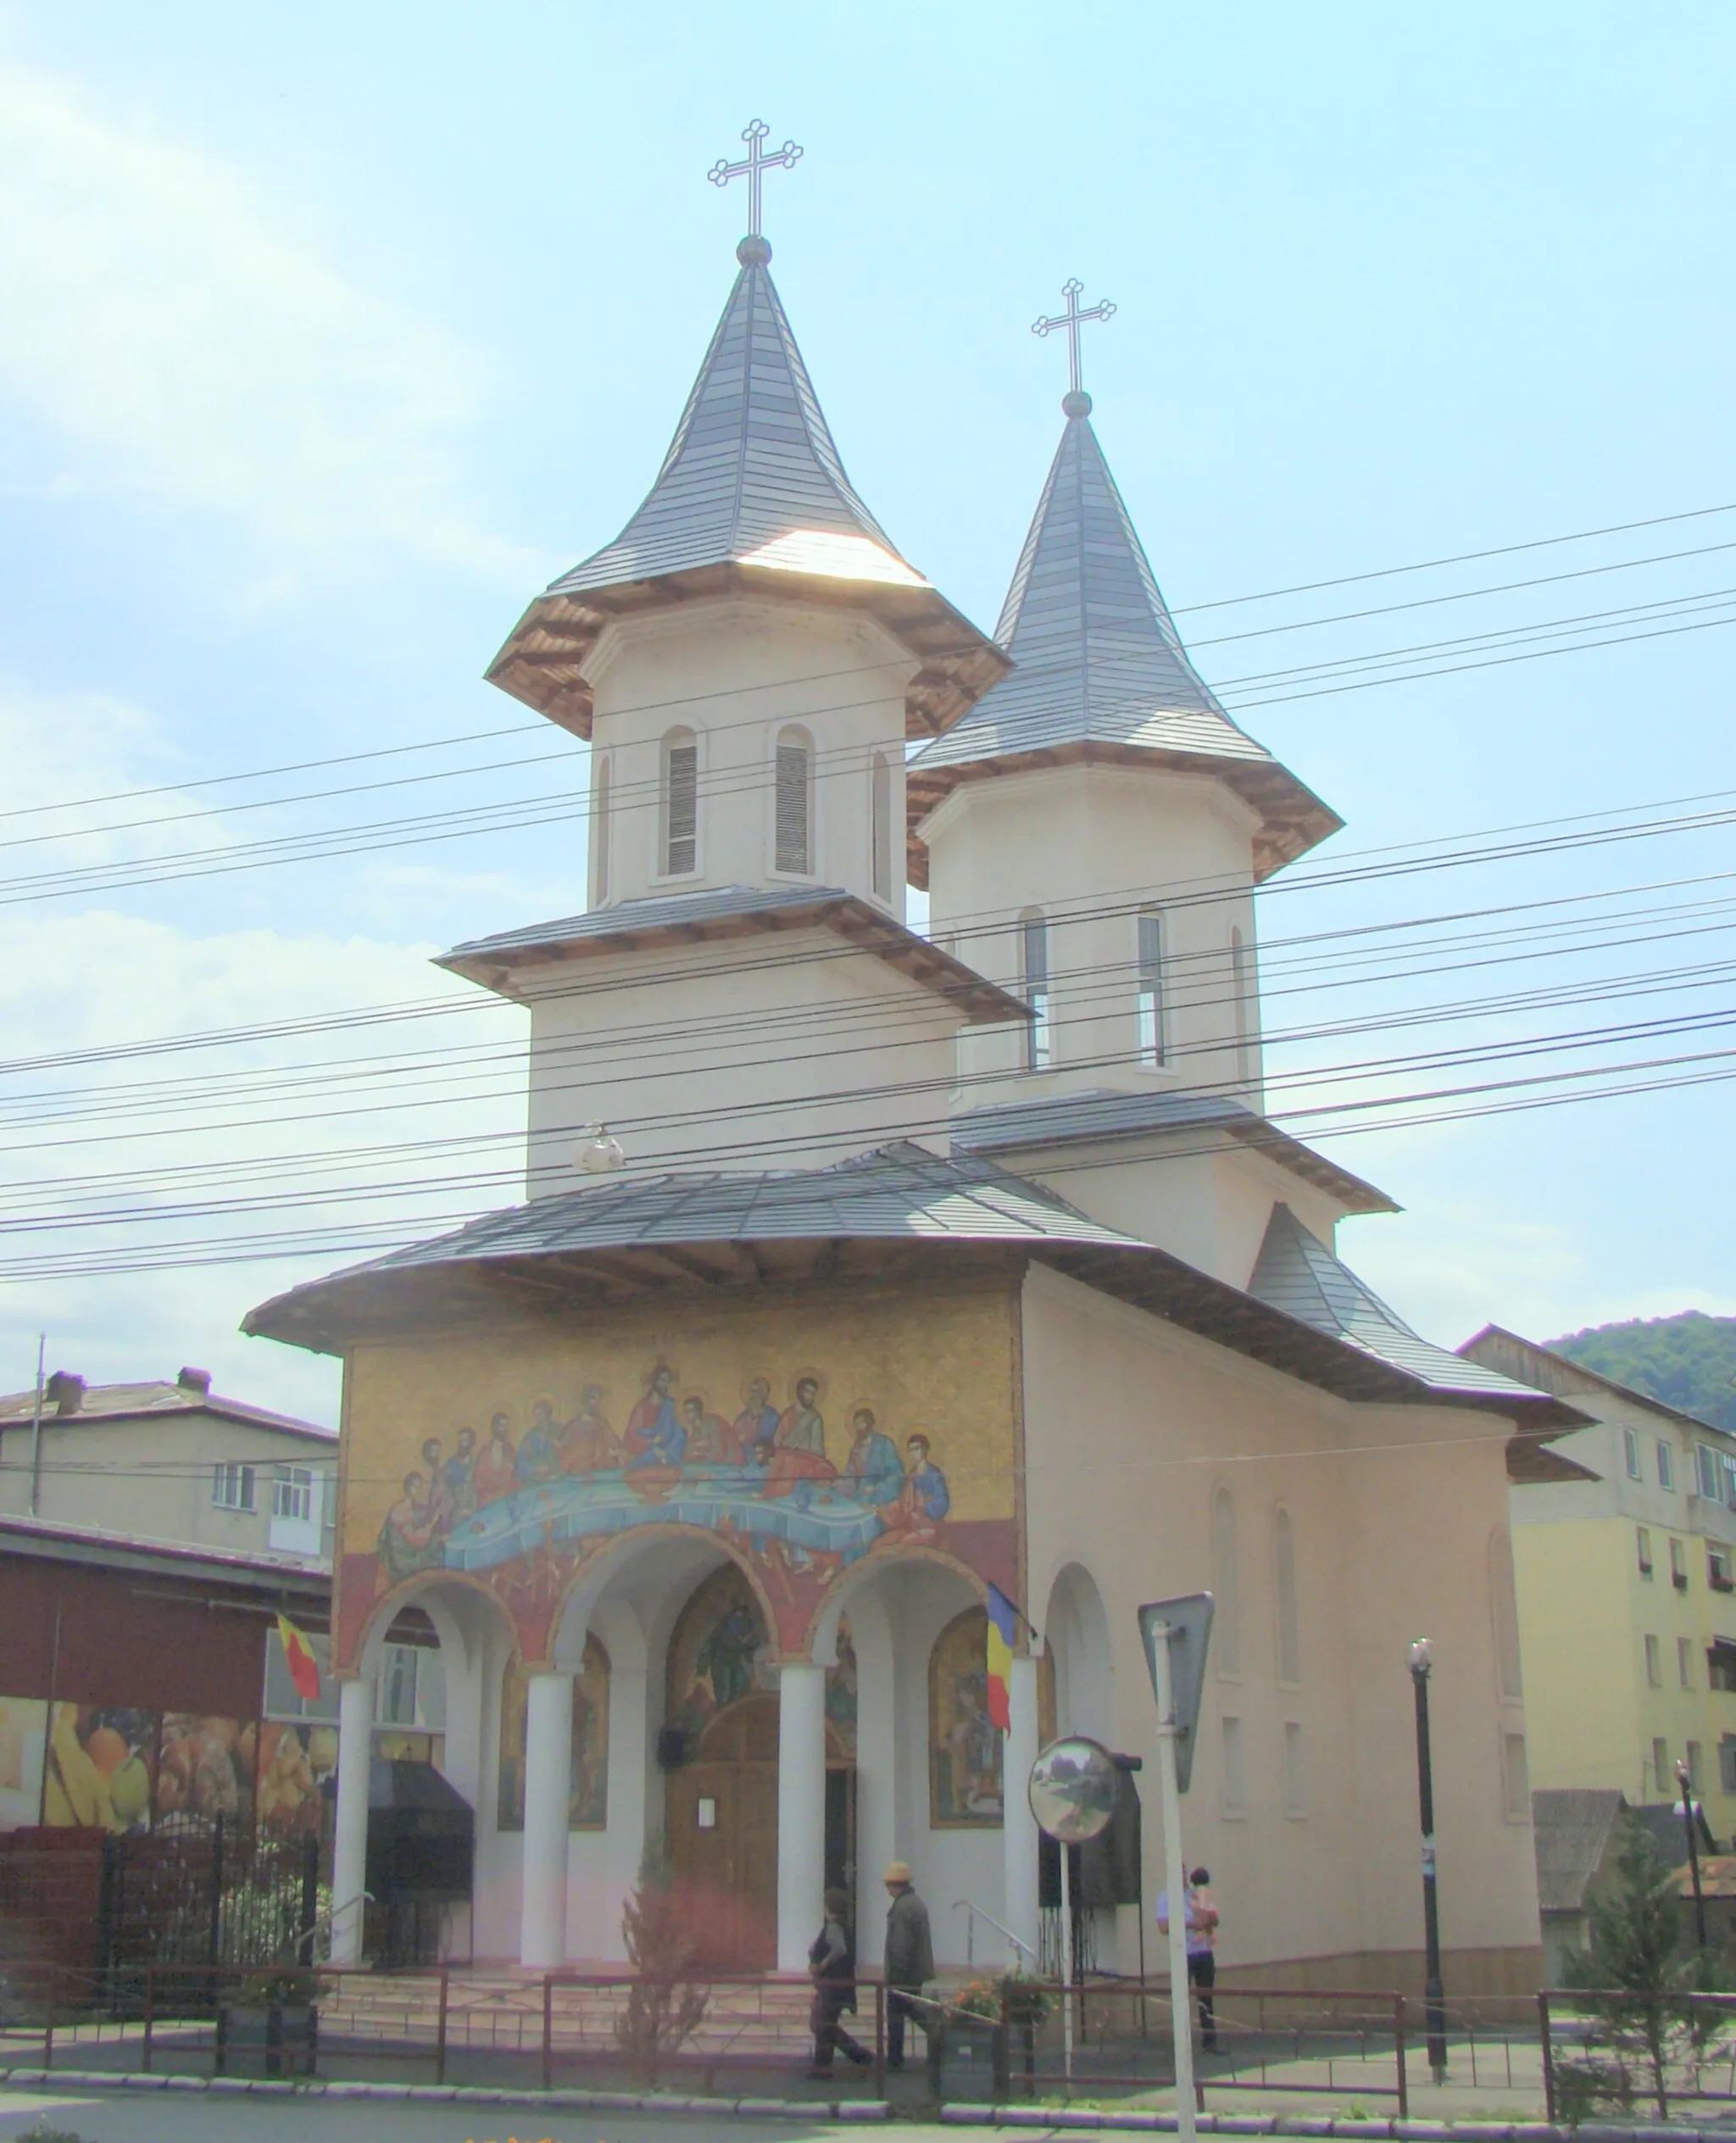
x=1685, y=1778
x=1421, y=1660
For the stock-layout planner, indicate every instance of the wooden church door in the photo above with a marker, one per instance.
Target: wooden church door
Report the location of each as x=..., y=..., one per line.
x=722, y=1823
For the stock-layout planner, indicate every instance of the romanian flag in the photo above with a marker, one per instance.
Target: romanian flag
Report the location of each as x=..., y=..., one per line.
x=299, y=1656
x=1002, y=1636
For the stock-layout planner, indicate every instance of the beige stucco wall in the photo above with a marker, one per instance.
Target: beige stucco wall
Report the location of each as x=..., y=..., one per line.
x=1131, y=1427
x=152, y=1478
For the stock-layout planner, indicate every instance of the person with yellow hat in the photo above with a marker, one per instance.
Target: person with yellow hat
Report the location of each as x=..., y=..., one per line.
x=909, y=1957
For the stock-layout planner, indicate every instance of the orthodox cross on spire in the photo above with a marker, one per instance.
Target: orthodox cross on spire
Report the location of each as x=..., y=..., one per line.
x=1073, y=320
x=751, y=167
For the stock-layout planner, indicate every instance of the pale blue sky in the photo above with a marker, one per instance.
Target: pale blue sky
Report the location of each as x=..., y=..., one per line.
x=330, y=333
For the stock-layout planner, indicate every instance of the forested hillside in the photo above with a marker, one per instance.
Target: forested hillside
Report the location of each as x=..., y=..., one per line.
x=1688, y=1360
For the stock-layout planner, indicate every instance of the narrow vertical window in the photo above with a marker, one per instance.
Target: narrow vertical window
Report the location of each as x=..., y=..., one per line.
x=1034, y=943
x=1630, y=1453
x=1661, y=1778
x=1516, y=1778
x=793, y=774
x=1235, y=1783
x=681, y=803
x=1151, y=1034
x=599, y=830
x=880, y=830
x=1295, y=1770
x=1238, y=992
x=1666, y=1464
x=1226, y=1624
x=1289, y=1633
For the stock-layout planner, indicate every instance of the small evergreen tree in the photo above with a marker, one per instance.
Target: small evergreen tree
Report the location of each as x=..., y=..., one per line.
x=664, y=2007
x=1636, y=1953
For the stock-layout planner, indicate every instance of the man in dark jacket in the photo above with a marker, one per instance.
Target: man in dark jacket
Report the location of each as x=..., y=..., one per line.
x=831, y=1966
x=910, y=1958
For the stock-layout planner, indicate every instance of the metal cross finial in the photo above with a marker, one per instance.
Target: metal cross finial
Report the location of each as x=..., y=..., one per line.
x=751, y=166
x=1073, y=320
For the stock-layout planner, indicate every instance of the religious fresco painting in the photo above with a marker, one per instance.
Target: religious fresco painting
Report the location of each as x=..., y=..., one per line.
x=587, y=1802
x=719, y=1654
x=964, y=1747
x=804, y=1441
x=841, y=1696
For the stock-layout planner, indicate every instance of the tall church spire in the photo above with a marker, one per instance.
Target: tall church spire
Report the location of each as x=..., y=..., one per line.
x=1101, y=672
x=752, y=497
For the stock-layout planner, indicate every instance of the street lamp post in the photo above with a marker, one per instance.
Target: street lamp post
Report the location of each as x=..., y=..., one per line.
x=1421, y=1660
x=1685, y=1778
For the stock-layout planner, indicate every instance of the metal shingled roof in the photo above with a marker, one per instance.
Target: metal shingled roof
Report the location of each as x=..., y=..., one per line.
x=1295, y=1272
x=751, y=466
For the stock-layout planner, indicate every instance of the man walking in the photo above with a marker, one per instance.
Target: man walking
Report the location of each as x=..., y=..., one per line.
x=1201, y=1917
x=910, y=1958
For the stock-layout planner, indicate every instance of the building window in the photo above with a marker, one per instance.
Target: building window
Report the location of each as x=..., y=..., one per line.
x=232, y=1488
x=1033, y=974
x=1711, y=1472
x=1691, y=1757
x=293, y=1492
x=1235, y=1794
x=1654, y=1663
x=1718, y=1573
x=1151, y=1017
x=1516, y=1778
x=680, y=804
x=1678, y=1565
x=1660, y=1778
x=1684, y=1661
x=1290, y=1632
x=1226, y=1579
x=793, y=834
x=1727, y=1763
x=1504, y=1613
x=1720, y=1666
x=1630, y=1452
x=1295, y=1770
x=601, y=781
x=1238, y=1004
x=880, y=829
x=1666, y=1464
x=1642, y=1541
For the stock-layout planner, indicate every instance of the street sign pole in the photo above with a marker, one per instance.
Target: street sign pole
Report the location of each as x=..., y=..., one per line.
x=1072, y=1791
x=1162, y=1658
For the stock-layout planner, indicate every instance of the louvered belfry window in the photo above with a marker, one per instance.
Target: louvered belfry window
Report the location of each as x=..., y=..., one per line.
x=1033, y=958
x=793, y=835
x=681, y=803
x=599, y=832
x=1152, y=1038
x=880, y=830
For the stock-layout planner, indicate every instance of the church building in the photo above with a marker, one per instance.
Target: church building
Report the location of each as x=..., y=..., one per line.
x=860, y=1269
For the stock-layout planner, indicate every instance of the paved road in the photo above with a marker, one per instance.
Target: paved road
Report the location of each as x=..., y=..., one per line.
x=126, y=2116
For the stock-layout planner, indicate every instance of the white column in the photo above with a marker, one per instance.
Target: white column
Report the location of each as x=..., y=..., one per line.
x=1018, y=1825
x=878, y=1757
x=349, y=1844
x=801, y=1809
x=548, y=1766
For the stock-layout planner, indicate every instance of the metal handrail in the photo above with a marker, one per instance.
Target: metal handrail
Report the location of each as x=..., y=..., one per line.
x=977, y=1913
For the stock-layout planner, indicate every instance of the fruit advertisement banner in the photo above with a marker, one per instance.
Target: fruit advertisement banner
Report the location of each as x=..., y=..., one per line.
x=123, y=1771
x=102, y=1762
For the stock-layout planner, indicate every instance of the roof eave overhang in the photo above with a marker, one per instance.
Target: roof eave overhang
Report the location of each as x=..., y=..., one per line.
x=977, y=1001
x=328, y=1315
x=542, y=661
x=1292, y=819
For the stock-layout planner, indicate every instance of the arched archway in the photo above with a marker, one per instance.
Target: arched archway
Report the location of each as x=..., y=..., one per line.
x=1076, y=1633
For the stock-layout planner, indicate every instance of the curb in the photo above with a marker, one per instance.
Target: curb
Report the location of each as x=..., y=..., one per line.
x=1079, y=2119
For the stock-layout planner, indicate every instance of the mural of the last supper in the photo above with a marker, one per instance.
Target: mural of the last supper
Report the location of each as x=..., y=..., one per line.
x=806, y=1438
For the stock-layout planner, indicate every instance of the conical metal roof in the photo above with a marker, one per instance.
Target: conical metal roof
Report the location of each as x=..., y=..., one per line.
x=752, y=495
x=1100, y=671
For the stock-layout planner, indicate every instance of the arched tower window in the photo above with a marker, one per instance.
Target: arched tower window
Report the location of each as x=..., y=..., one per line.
x=1238, y=995
x=793, y=836
x=1226, y=1584
x=1290, y=1632
x=1503, y=1614
x=1033, y=974
x=681, y=803
x=880, y=829
x=1151, y=1010
x=600, y=783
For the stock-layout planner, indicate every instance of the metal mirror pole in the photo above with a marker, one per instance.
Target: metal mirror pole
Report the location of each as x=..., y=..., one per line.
x=1066, y=1854
x=1176, y=1882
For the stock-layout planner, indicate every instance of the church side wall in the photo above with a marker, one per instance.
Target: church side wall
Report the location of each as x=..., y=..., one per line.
x=1134, y=1428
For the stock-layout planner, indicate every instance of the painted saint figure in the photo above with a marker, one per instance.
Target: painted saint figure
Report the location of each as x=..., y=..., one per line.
x=406, y=1541
x=654, y=1435
x=757, y=1422
x=457, y=1475
x=925, y=1498
x=441, y=1513
x=873, y=1468
x=726, y=1655
x=539, y=1455
x=798, y=1456
x=588, y=1443
x=496, y=1473
x=710, y=1439
x=800, y=1428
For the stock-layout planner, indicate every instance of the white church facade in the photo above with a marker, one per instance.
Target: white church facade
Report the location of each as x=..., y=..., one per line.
x=907, y=1265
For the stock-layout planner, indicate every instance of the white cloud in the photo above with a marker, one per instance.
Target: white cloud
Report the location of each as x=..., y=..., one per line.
x=187, y=345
